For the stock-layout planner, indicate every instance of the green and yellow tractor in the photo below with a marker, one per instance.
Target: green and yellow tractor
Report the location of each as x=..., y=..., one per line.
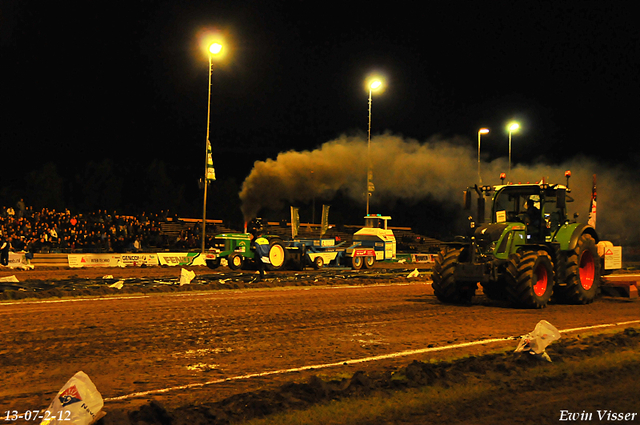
x=528, y=252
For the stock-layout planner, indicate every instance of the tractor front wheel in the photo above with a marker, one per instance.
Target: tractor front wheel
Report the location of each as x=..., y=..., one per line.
x=530, y=279
x=235, y=261
x=213, y=264
x=445, y=287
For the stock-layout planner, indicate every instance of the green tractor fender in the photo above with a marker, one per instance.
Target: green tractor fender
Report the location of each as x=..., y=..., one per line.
x=569, y=234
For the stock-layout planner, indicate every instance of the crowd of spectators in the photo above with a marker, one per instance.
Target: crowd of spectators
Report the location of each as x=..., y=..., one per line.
x=54, y=231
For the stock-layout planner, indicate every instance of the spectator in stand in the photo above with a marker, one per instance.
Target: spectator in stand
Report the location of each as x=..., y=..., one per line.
x=5, y=245
x=20, y=208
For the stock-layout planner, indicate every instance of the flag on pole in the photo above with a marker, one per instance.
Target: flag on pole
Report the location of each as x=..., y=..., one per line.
x=211, y=172
x=592, y=208
x=324, y=226
x=295, y=222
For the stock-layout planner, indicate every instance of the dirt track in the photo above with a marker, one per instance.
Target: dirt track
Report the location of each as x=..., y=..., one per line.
x=145, y=343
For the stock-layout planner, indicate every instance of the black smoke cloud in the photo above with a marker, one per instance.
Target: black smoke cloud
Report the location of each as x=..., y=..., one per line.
x=406, y=169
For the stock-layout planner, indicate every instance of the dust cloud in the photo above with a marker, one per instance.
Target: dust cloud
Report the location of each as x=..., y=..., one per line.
x=441, y=169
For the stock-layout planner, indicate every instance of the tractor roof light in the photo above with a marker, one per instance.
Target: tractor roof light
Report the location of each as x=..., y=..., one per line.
x=567, y=174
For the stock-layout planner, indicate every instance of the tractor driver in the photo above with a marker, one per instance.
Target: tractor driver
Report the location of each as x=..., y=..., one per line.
x=260, y=248
x=533, y=214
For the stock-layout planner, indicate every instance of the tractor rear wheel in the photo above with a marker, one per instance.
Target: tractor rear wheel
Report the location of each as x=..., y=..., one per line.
x=530, y=279
x=581, y=270
x=277, y=256
x=445, y=287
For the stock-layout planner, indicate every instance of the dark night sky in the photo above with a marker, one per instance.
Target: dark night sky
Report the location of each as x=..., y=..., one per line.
x=130, y=82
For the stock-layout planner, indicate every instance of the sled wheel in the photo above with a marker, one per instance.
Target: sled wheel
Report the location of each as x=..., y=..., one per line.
x=357, y=262
x=318, y=263
x=369, y=262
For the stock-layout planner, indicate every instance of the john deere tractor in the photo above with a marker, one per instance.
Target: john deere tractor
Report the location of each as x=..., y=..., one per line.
x=528, y=252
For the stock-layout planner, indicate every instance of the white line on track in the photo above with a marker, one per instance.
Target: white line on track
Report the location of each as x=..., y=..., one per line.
x=75, y=300
x=352, y=361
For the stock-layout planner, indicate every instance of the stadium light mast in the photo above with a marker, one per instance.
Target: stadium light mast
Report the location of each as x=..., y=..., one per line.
x=512, y=127
x=374, y=85
x=480, y=133
x=209, y=172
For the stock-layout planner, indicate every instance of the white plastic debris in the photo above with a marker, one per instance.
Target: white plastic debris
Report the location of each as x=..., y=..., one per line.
x=109, y=276
x=9, y=279
x=404, y=260
x=537, y=341
x=78, y=402
x=118, y=285
x=414, y=273
x=186, y=276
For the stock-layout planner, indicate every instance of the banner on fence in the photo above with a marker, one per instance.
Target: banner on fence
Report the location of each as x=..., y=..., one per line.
x=94, y=260
x=142, y=259
x=17, y=260
x=181, y=259
x=423, y=258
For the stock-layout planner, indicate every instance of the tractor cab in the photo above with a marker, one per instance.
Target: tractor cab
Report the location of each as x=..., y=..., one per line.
x=540, y=207
x=520, y=214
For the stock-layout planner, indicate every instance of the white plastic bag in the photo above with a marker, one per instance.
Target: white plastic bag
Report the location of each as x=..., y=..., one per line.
x=537, y=341
x=77, y=403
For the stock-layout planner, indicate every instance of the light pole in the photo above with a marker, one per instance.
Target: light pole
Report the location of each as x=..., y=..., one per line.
x=480, y=133
x=512, y=127
x=209, y=172
x=370, y=188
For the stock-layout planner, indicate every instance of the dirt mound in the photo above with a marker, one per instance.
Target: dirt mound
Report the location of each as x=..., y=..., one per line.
x=157, y=280
x=507, y=367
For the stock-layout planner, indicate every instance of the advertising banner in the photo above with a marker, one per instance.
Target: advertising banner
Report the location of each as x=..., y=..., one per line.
x=139, y=259
x=94, y=260
x=181, y=259
x=17, y=260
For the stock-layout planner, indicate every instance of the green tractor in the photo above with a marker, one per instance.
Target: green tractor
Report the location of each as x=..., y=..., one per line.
x=236, y=249
x=529, y=251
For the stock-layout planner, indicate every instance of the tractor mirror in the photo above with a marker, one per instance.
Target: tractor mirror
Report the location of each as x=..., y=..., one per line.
x=561, y=199
x=467, y=200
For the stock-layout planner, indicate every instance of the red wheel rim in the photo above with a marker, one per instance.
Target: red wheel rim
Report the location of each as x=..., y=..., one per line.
x=587, y=270
x=542, y=279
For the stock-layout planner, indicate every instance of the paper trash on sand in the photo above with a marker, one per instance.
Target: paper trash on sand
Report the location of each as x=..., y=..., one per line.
x=186, y=276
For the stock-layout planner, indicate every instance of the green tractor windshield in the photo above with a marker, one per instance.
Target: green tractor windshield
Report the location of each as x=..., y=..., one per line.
x=537, y=206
